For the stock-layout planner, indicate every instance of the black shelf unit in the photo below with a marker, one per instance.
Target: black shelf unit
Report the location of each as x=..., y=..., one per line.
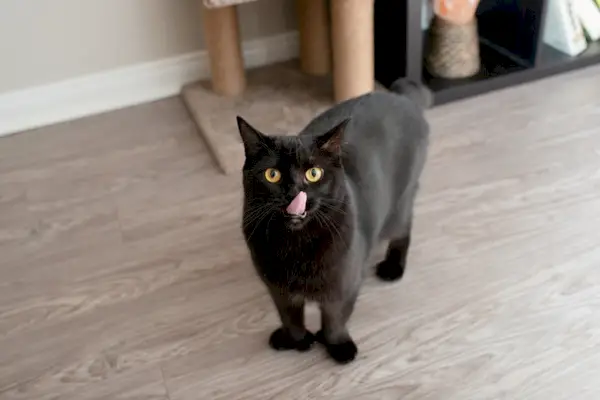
x=511, y=48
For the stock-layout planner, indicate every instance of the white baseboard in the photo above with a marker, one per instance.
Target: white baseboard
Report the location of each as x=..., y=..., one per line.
x=92, y=94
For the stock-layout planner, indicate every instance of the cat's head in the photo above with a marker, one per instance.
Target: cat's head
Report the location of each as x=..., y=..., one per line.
x=292, y=180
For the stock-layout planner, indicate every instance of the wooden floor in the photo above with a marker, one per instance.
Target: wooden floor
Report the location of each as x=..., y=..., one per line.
x=124, y=276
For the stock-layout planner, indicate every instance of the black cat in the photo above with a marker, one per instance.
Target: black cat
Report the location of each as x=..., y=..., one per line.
x=317, y=204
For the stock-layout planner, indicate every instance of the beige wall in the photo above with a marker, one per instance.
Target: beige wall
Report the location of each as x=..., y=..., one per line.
x=51, y=40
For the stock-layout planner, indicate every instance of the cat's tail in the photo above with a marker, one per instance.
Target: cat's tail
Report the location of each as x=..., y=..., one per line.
x=416, y=92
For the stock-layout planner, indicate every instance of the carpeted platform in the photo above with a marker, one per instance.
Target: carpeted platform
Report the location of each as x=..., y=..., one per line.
x=279, y=99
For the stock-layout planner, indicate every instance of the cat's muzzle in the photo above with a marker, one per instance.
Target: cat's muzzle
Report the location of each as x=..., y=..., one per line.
x=298, y=217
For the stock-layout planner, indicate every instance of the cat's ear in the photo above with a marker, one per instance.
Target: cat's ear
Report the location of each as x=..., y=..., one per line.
x=252, y=138
x=331, y=141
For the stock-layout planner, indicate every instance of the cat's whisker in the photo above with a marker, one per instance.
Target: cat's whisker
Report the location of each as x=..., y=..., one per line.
x=262, y=217
x=331, y=224
x=268, y=223
x=252, y=216
x=256, y=215
x=256, y=220
x=318, y=219
x=333, y=208
x=333, y=233
x=338, y=201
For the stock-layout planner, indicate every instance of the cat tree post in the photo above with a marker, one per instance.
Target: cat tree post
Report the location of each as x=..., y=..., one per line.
x=280, y=96
x=222, y=38
x=353, y=48
x=313, y=24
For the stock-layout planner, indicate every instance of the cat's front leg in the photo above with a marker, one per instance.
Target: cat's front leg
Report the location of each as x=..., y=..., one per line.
x=292, y=335
x=334, y=332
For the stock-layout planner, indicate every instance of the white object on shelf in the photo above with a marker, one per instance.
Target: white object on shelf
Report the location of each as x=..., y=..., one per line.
x=589, y=16
x=426, y=14
x=563, y=30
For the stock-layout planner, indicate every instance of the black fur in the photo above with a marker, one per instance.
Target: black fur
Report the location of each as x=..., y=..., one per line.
x=372, y=150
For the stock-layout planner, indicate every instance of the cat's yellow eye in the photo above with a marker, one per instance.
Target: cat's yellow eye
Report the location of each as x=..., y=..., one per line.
x=314, y=174
x=272, y=175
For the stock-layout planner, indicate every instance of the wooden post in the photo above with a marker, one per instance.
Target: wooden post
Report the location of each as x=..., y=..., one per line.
x=353, y=48
x=315, y=48
x=222, y=38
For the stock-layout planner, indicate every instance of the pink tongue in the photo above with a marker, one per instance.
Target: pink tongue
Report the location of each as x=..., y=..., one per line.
x=298, y=205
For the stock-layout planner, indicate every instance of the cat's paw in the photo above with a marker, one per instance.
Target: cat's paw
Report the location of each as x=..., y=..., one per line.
x=342, y=353
x=389, y=271
x=320, y=338
x=281, y=340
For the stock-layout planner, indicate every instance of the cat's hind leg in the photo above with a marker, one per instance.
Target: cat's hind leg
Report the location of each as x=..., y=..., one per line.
x=399, y=230
x=393, y=265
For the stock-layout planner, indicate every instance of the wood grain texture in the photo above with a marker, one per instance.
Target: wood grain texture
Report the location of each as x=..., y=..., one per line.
x=124, y=273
